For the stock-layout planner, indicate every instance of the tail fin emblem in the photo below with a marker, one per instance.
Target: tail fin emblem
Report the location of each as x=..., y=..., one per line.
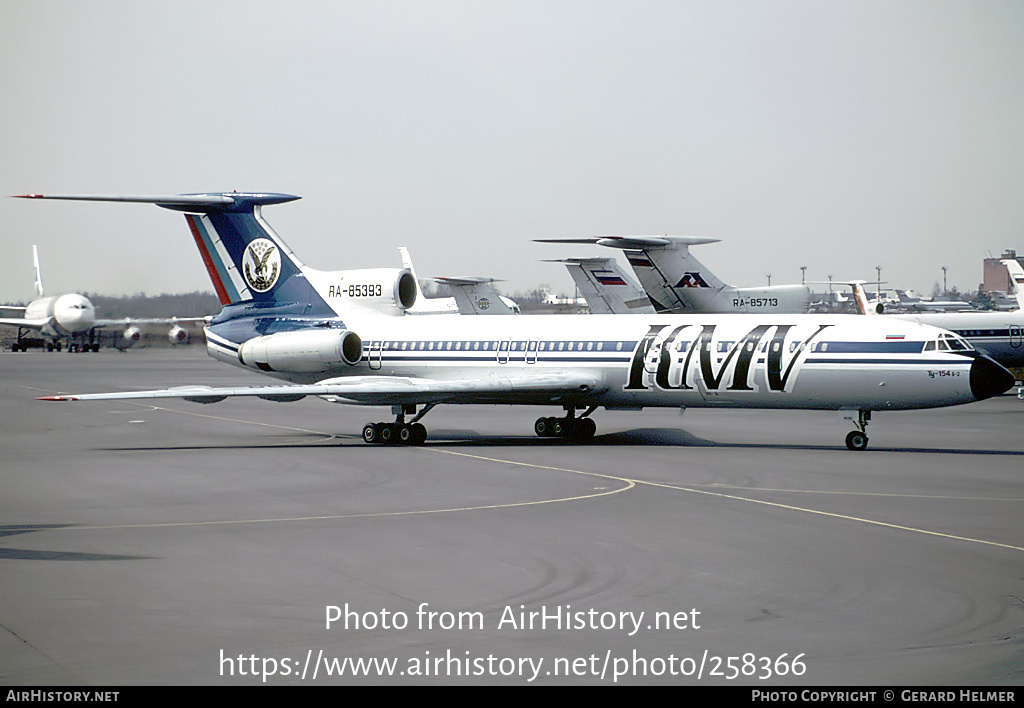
x=261, y=264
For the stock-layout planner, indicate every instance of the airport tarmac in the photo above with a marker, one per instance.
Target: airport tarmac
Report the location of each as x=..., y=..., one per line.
x=209, y=545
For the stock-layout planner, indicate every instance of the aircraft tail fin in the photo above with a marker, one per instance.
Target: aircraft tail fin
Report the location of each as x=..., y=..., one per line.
x=606, y=288
x=861, y=298
x=39, y=276
x=476, y=295
x=1017, y=276
x=244, y=257
x=674, y=280
x=246, y=260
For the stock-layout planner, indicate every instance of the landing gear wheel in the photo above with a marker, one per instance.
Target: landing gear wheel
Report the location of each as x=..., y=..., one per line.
x=370, y=433
x=419, y=434
x=856, y=440
x=586, y=429
x=397, y=433
x=544, y=427
x=575, y=429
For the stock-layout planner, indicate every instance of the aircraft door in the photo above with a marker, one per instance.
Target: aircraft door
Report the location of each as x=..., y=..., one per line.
x=1016, y=337
x=503, y=346
x=653, y=358
x=374, y=355
x=531, y=351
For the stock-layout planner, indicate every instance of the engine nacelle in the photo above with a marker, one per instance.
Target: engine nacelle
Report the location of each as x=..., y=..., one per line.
x=129, y=336
x=306, y=351
x=387, y=290
x=132, y=334
x=177, y=334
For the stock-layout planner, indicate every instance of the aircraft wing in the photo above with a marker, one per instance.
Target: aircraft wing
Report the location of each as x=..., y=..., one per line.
x=149, y=321
x=22, y=322
x=383, y=390
x=40, y=322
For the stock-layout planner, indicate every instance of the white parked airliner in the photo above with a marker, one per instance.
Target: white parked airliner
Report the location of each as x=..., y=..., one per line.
x=344, y=336
x=71, y=319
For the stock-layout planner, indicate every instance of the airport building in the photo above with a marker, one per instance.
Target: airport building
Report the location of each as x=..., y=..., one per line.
x=996, y=278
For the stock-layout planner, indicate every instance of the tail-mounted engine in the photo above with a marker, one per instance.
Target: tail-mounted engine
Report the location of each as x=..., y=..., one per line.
x=306, y=351
x=386, y=290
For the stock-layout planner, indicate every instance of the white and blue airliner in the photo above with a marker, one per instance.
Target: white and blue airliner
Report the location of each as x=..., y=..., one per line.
x=344, y=337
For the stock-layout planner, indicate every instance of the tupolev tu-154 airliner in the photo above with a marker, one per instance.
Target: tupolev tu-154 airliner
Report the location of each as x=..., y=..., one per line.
x=343, y=336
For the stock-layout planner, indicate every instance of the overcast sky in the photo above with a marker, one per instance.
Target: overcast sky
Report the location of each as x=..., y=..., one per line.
x=834, y=135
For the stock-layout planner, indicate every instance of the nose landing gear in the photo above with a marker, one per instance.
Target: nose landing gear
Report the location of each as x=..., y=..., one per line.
x=858, y=439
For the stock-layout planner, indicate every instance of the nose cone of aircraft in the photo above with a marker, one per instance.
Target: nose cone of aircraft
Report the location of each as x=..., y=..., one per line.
x=989, y=378
x=74, y=313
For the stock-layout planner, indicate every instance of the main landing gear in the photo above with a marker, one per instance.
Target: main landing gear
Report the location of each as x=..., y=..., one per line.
x=569, y=427
x=858, y=439
x=399, y=432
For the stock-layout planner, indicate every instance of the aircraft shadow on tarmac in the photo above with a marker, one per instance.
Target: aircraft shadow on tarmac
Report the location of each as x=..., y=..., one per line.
x=22, y=554
x=651, y=437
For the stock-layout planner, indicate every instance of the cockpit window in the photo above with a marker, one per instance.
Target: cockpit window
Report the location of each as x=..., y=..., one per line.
x=947, y=341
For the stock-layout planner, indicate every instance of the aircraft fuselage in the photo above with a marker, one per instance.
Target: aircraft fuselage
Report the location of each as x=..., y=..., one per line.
x=788, y=361
x=66, y=314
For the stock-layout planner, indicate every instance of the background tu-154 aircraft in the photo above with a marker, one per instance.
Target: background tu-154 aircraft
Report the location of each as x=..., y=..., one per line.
x=71, y=319
x=675, y=281
x=343, y=336
x=471, y=295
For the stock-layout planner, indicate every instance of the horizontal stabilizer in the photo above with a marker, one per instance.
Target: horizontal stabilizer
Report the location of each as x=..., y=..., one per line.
x=465, y=280
x=635, y=242
x=223, y=201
